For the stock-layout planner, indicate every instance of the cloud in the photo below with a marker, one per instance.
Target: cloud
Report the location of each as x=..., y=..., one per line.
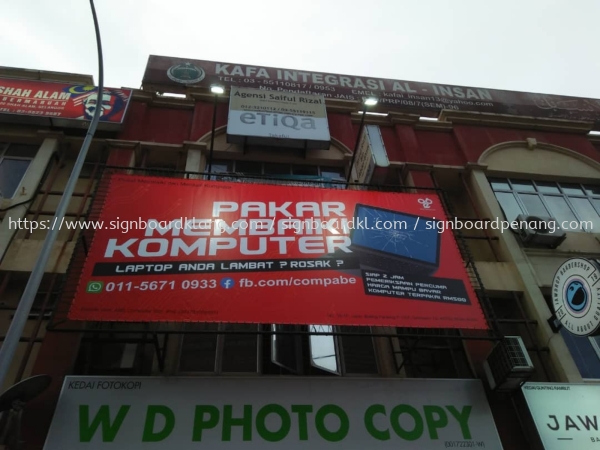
x=536, y=46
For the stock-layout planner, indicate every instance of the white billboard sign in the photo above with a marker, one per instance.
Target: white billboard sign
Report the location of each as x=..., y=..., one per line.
x=565, y=415
x=371, y=154
x=258, y=413
x=287, y=119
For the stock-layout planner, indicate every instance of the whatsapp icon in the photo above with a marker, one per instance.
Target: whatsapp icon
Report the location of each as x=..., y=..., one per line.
x=94, y=287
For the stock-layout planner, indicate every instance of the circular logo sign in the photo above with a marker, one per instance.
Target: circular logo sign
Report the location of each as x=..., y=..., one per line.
x=186, y=73
x=576, y=296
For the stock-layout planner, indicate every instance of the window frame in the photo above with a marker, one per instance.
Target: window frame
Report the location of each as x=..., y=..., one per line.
x=595, y=341
x=233, y=163
x=4, y=148
x=542, y=196
x=306, y=363
x=217, y=366
x=303, y=364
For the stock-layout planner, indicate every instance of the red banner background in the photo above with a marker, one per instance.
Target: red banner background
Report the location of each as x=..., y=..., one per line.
x=116, y=283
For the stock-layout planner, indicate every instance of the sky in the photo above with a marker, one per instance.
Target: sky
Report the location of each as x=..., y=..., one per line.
x=548, y=46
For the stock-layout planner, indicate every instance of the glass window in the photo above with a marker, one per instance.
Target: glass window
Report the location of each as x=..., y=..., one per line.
x=596, y=203
x=333, y=173
x=499, y=184
x=277, y=169
x=12, y=172
x=21, y=150
x=218, y=353
x=305, y=170
x=592, y=190
x=584, y=353
x=323, y=354
x=221, y=166
x=595, y=341
x=586, y=211
x=358, y=351
x=547, y=188
x=240, y=350
x=119, y=353
x=571, y=189
x=559, y=209
x=509, y=205
x=533, y=204
x=198, y=351
x=522, y=186
x=285, y=348
x=248, y=167
x=568, y=202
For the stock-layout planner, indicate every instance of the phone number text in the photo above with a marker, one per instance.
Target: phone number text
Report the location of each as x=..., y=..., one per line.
x=160, y=285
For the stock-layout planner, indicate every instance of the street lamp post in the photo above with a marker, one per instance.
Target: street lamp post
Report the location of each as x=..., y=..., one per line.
x=369, y=101
x=11, y=340
x=216, y=90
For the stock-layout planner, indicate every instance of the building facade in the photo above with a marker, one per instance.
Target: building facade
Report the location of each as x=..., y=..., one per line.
x=485, y=166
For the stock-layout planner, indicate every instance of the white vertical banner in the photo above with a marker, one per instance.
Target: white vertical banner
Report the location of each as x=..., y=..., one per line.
x=371, y=154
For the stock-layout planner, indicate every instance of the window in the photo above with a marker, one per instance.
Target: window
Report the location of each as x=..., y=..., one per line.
x=351, y=354
x=595, y=341
x=219, y=353
x=568, y=202
x=431, y=357
x=282, y=350
x=512, y=320
x=115, y=354
x=585, y=352
x=14, y=162
x=221, y=166
x=278, y=170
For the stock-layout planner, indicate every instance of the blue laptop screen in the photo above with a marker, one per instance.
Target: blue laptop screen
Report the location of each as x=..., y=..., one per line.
x=396, y=234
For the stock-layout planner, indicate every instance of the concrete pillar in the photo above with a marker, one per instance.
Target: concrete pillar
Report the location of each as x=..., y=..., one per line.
x=534, y=302
x=195, y=162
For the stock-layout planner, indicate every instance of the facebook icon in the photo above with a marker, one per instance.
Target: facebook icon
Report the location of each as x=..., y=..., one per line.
x=227, y=283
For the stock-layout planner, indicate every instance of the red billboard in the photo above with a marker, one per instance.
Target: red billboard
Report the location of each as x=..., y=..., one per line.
x=66, y=103
x=165, y=73
x=190, y=250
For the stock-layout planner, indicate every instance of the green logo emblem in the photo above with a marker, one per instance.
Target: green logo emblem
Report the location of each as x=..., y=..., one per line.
x=186, y=73
x=94, y=287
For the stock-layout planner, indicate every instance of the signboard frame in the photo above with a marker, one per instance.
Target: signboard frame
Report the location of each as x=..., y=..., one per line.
x=59, y=104
x=258, y=117
x=434, y=209
x=442, y=413
x=427, y=99
x=576, y=296
x=566, y=423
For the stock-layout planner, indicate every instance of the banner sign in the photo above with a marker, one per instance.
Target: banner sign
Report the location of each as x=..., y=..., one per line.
x=576, y=296
x=191, y=250
x=565, y=415
x=175, y=74
x=96, y=413
x=277, y=118
x=65, y=104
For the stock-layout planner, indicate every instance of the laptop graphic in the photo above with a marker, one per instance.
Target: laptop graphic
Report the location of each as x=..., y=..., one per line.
x=395, y=242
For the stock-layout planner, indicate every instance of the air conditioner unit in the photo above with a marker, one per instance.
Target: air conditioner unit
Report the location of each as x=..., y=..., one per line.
x=508, y=366
x=537, y=231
